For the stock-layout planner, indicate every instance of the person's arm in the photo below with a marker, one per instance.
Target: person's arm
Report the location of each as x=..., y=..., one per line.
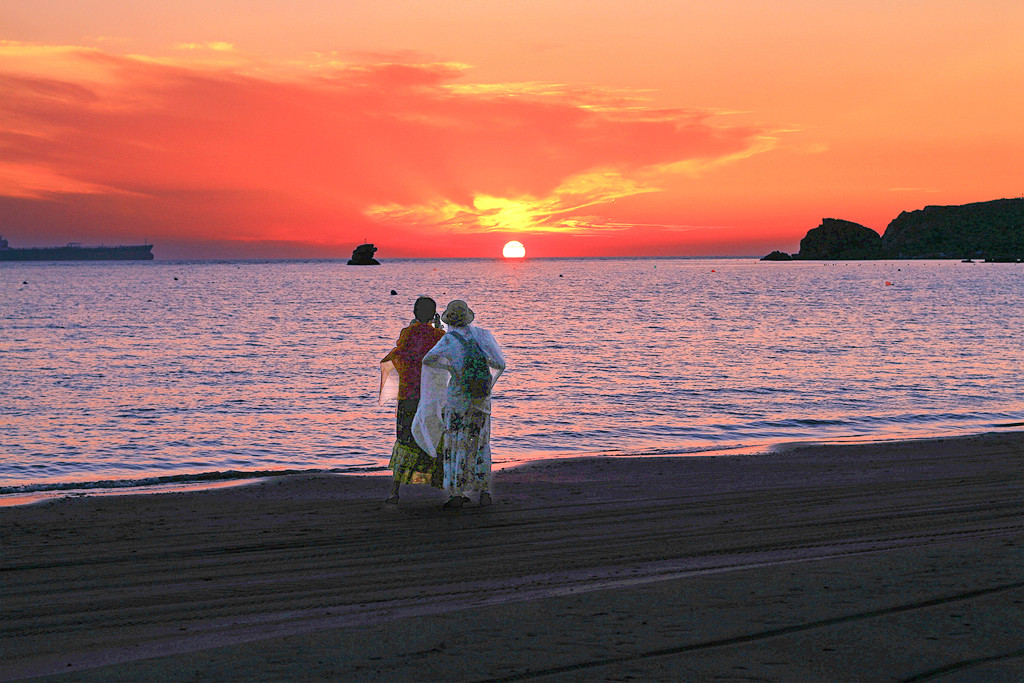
x=496, y=359
x=436, y=357
x=393, y=353
x=435, y=360
x=400, y=356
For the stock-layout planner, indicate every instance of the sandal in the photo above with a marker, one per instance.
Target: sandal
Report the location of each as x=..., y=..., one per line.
x=455, y=502
x=485, y=499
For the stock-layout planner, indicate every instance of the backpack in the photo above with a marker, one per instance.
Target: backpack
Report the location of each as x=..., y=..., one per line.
x=476, y=376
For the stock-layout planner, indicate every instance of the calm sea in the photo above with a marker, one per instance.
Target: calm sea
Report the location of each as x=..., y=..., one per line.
x=143, y=371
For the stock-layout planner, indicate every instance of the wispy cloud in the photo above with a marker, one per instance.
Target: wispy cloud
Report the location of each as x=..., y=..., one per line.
x=216, y=142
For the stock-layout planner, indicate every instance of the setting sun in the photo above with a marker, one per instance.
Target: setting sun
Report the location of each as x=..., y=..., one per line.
x=628, y=134
x=513, y=249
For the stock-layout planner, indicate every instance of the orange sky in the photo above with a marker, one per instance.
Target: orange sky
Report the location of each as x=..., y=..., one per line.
x=251, y=128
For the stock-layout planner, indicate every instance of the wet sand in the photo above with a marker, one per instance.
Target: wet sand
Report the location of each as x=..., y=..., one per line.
x=899, y=561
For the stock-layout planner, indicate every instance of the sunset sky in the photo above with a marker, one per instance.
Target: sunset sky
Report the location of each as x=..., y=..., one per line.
x=256, y=128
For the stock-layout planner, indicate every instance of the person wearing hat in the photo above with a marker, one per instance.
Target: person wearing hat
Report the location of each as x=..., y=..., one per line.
x=453, y=420
x=409, y=463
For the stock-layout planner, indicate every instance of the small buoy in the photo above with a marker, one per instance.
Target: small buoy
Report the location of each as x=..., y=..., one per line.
x=561, y=275
x=175, y=278
x=25, y=282
x=393, y=292
x=712, y=270
x=887, y=282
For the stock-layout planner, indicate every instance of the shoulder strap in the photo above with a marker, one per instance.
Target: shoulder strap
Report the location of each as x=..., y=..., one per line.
x=465, y=342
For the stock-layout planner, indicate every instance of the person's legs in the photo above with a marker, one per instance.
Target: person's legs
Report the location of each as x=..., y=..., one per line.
x=404, y=414
x=467, y=457
x=449, y=458
x=479, y=436
x=453, y=454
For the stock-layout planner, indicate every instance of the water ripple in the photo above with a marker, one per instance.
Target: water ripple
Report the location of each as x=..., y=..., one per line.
x=120, y=372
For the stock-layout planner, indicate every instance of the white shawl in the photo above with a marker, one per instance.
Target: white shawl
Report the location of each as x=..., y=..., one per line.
x=448, y=354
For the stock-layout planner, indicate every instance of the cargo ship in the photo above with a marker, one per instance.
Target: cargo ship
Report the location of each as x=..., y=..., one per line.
x=73, y=251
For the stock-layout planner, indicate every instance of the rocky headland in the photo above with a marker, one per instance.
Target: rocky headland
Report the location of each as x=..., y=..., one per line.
x=993, y=231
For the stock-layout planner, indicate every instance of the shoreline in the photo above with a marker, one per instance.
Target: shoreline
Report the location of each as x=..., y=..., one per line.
x=822, y=562
x=32, y=494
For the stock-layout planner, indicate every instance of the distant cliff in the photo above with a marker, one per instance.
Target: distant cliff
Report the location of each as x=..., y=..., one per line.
x=838, y=239
x=989, y=230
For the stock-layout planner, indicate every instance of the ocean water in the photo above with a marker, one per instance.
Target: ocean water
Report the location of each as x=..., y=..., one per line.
x=148, y=372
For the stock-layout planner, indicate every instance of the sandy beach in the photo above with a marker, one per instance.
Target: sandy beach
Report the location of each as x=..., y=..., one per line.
x=899, y=561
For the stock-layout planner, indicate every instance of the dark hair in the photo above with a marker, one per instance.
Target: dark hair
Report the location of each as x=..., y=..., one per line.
x=424, y=309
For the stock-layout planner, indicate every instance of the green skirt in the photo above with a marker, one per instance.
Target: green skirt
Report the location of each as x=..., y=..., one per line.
x=412, y=465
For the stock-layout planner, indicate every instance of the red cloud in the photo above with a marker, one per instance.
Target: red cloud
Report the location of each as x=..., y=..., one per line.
x=326, y=155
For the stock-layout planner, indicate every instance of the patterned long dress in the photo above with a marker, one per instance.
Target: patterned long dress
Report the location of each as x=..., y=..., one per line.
x=466, y=449
x=409, y=463
x=451, y=423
